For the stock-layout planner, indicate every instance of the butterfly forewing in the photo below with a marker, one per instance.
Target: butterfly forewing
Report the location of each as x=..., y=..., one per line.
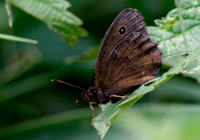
x=132, y=21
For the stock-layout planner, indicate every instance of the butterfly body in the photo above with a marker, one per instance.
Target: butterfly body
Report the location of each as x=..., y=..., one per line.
x=127, y=59
x=96, y=95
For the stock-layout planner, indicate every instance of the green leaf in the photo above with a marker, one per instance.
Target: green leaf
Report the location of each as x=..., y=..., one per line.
x=15, y=38
x=169, y=35
x=90, y=54
x=170, y=62
x=9, y=13
x=159, y=121
x=168, y=32
x=44, y=122
x=112, y=111
x=54, y=14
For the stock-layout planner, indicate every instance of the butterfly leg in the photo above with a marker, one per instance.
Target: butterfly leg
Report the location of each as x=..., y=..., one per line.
x=103, y=115
x=92, y=108
x=118, y=96
x=150, y=81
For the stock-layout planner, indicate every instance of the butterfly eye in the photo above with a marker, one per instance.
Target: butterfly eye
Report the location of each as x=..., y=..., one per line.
x=122, y=30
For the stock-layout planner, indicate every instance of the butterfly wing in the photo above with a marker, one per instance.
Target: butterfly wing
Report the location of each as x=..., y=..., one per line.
x=139, y=66
x=126, y=59
x=134, y=21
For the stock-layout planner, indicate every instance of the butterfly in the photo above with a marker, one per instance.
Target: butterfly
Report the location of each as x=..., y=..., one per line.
x=127, y=59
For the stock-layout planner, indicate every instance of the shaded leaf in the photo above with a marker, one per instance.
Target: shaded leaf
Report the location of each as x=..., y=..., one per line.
x=51, y=120
x=54, y=14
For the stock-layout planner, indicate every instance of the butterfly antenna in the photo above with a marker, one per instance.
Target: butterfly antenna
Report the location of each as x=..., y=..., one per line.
x=67, y=84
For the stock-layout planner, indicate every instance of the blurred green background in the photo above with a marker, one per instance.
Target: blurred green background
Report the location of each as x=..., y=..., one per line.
x=34, y=108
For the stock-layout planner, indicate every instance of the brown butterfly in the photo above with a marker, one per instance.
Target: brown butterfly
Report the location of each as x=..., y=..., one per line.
x=127, y=59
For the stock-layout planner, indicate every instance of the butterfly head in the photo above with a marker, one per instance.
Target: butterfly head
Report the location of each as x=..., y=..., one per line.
x=87, y=95
x=94, y=95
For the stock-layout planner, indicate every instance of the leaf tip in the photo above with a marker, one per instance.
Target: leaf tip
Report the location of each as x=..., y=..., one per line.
x=35, y=42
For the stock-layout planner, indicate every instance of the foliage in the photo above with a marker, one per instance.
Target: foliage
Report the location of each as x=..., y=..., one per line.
x=32, y=107
x=14, y=38
x=54, y=14
x=169, y=35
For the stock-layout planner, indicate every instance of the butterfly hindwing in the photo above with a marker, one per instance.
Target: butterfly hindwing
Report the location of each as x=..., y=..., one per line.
x=126, y=70
x=140, y=68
